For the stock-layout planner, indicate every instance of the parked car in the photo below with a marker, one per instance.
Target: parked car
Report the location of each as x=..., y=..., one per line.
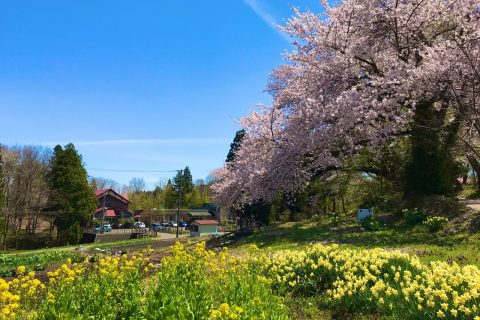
x=106, y=227
x=165, y=225
x=156, y=226
x=172, y=224
x=127, y=225
x=183, y=224
x=139, y=225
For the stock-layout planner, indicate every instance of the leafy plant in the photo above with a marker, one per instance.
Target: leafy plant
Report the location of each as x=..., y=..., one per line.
x=33, y=262
x=371, y=223
x=435, y=224
x=414, y=216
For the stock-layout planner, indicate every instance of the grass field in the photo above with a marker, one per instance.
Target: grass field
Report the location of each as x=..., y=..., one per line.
x=463, y=248
x=296, y=270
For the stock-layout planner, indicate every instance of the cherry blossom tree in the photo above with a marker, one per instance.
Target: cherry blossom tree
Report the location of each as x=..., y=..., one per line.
x=362, y=72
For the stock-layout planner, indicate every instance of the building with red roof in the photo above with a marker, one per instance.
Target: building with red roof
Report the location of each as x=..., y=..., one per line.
x=203, y=228
x=111, y=205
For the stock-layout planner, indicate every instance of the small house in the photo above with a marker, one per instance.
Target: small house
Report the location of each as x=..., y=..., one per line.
x=203, y=228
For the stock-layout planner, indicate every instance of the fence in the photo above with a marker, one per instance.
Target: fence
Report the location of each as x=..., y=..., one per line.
x=119, y=231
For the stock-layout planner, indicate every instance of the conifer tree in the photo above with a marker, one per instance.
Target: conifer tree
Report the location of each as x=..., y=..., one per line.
x=184, y=183
x=72, y=198
x=235, y=145
x=169, y=196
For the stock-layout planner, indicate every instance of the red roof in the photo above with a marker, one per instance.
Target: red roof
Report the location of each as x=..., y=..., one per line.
x=110, y=214
x=99, y=193
x=206, y=222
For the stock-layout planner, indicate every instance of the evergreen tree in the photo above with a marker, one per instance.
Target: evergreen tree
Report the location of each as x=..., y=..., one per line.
x=183, y=182
x=72, y=198
x=169, y=196
x=235, y=145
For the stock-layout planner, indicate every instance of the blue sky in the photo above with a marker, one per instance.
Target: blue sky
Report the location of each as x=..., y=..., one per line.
x=137, y=85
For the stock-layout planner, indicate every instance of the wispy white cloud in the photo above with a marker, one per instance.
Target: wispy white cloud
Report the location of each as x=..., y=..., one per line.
x=266, y=16
x=183, y=141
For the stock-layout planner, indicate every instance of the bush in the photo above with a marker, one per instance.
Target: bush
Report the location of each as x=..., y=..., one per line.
x=414, y=216
x=435, y=224
x=371, y=223
x=335, y=217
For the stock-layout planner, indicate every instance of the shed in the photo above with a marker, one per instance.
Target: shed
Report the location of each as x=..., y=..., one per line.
x=203, y=228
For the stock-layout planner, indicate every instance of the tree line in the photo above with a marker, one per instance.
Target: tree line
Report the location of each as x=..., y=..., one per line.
x=164, y=195
x=43, y=186
x=49, y=190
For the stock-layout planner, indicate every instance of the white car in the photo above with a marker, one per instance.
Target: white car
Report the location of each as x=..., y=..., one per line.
x=139, y=225
x=172, y=224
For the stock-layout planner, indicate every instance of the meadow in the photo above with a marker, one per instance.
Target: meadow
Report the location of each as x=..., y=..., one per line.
x=316, y=281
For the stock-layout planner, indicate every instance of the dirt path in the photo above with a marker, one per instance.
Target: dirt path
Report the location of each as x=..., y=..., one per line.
x=474, y=204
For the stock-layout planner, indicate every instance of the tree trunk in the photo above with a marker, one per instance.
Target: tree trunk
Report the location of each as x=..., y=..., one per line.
x=430, y=169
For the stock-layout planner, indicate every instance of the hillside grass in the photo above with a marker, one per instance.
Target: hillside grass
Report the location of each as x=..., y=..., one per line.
x=463, y=248
x=460, y=247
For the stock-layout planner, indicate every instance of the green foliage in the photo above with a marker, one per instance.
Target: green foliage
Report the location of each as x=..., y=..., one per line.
x=183, y=183
x=431, y=168
x=335, y=217
x=33, y=262
x=169, y=196
x=72, y=198
x=371, y=223
x=126, y=220
x=198, y=286
x=414, y=216
x=235, y=145
x=435, y=224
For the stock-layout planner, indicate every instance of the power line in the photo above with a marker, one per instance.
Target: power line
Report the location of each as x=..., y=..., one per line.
x=135, y=171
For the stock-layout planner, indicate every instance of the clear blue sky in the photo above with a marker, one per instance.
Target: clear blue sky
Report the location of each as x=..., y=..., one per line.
x=137, y=85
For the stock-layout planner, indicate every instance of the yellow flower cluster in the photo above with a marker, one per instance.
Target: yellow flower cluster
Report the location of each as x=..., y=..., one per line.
x=224, y=311
x=432, y=219
x=25, y=293
x=388, y=280
x=9, y=302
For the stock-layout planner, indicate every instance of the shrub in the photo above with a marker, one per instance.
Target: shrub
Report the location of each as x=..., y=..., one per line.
x=371, y=223
x=435, y=224
x=414, y=216
x=335, y=217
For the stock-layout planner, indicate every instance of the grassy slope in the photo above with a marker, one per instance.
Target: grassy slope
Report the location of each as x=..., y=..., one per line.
x=463, y=248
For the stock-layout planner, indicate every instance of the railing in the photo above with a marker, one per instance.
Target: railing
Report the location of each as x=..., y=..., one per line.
x=227, y=228
x=119, y=231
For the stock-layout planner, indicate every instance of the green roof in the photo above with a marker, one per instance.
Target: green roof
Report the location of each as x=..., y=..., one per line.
x=200, y=213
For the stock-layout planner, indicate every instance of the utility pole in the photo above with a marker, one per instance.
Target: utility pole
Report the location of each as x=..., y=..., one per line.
x=179, y=187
